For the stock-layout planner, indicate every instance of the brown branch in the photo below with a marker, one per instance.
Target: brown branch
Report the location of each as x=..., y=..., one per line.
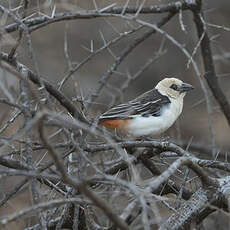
x=75, y=68
x=58, y=95
x=38, y=22
x=17, y=165
x=80, y=186
x=14, y=164
x=39, y=207
x=14, y=48
x=188, y=212
x=194, y=164
x=210, y=72
x=199, y=206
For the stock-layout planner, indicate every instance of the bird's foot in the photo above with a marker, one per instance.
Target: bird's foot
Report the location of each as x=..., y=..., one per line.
x=144, y=138
x=147, y=138
x=165, y=139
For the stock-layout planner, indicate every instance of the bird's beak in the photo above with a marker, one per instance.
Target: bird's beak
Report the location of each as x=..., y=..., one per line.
x=185, y=87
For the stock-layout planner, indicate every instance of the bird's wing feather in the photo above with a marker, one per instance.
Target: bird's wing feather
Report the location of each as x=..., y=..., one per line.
x=148, y=104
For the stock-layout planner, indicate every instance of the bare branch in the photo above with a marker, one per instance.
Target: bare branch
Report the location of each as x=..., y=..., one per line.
x=38, y=208
x=82, y=187
x=210, y=72
x=38, y=22
x=25, y=72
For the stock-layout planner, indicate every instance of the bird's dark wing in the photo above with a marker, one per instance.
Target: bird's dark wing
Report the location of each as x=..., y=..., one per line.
x=148, y=104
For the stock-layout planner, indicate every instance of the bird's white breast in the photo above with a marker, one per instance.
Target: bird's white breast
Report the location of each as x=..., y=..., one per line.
x=140, y=126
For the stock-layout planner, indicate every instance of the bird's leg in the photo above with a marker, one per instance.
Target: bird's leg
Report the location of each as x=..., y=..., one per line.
x=120, y=135
x=117, y=135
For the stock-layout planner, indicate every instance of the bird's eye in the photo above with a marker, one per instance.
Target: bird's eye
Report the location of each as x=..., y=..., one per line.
x=174, y=86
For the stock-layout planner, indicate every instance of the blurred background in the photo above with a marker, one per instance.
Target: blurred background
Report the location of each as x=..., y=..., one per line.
x=79, y=38
x=90, y=34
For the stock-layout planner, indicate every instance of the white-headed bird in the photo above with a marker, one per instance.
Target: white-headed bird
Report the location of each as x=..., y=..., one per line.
x=151, y=113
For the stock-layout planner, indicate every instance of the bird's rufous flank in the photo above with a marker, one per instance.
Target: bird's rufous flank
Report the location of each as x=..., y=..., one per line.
x=151, y=113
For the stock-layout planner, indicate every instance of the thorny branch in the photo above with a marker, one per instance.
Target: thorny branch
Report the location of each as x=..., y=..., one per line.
x=84, y=173
x=38, y=22
x=80, y=186
x=210, y=72
x=27, y=73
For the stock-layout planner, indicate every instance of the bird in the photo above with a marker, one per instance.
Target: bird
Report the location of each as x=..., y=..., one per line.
x=151, y=113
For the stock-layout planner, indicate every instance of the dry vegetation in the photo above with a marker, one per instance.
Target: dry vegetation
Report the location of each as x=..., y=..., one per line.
x=62, y=63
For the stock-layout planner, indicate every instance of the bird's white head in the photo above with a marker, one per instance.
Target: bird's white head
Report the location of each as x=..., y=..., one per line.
x=173, y=87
